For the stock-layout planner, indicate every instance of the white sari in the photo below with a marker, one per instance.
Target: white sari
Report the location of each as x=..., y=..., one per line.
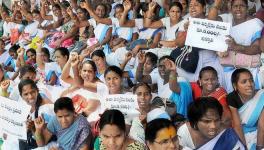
x=249, y=114
x=245, y=34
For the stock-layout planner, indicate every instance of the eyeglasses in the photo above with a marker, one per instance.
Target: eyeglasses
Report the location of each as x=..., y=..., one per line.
x=168, y=141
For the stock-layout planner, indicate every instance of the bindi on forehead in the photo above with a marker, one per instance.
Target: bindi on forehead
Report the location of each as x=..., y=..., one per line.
x=166, y=133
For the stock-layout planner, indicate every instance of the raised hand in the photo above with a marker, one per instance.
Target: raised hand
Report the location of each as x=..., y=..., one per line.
x=39, y=45
x=43, y=2
x=141, y=57
x=85, y=5
x=5, y=84
x=128, y=56
x=69, y=11
x=127, y=5
x=152, y=6
x=218, y=3
x=169, y=65
x=135, y=50
x=39, y=123
x=74, y=58
x=30, y=125
x=20, y=51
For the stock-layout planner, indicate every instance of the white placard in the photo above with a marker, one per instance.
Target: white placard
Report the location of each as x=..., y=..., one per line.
x=126, y=103
x=208, y=34
x=13, y=116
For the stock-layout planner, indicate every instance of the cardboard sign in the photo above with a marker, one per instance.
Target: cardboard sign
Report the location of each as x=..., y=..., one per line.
x=13, y=116
x=208, y=34
x=127, y=104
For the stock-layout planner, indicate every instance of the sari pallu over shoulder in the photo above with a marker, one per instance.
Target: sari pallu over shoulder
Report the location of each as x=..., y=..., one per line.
x=249, y=115
x=75, y=136
x=226, y=140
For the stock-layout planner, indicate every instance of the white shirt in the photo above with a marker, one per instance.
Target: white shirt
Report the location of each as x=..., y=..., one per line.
x=163, y=89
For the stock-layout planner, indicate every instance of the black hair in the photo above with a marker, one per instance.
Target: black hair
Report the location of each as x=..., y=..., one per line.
x=153, y=58
x=198, y=108
x=236, y=74
x=28, y=68
x=115, y=69
x=141, y=84
x=33, y=86
x=14, y=48
x=245, y=1
x=177, y=4
x=65, y=4
x=105, y=7
x=202, y=2
x=143, y=6
x=119, y=6
x=64, y=103
x=154, y=126
x=85, y=12
x=57, y=6
x=89, y=62
x=64, y=51
x=166, y=57
x=205, y=69
x=113, y=117
x=32, y=51
x=99, y=53
x=46, y=52
x=35, y=11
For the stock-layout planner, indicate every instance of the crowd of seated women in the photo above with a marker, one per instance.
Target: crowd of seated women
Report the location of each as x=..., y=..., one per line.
x=65, y=57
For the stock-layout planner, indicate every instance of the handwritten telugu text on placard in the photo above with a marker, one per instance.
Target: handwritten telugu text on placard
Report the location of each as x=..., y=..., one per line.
x=207, y=34
x=13, y=116
x=125, y=103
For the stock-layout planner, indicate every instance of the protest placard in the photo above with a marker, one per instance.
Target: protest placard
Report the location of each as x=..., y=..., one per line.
x=127, y=104
x=13, y=116
x=208, y=34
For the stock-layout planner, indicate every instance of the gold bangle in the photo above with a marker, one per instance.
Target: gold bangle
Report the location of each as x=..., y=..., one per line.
x=172, y=77
x=38, y=136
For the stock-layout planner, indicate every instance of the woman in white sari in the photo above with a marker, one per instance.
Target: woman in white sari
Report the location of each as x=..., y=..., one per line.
x=244, y=41
x=204, y=130
x=206, y=57
x=246, y=107
x=102, y=32
x=172, y=25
